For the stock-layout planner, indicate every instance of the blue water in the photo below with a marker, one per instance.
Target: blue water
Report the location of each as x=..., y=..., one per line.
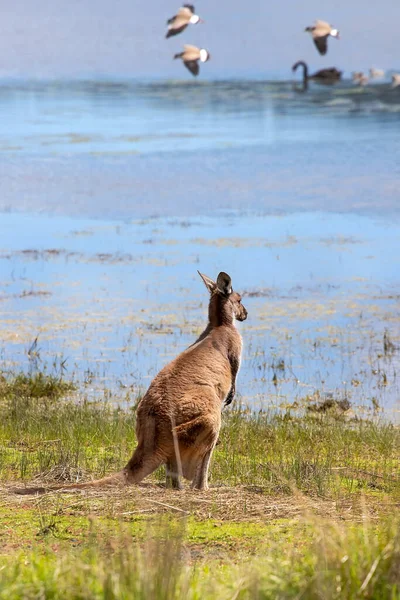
x=81, y=118
x=129, y=149
x=117, y=193
x=117, y=300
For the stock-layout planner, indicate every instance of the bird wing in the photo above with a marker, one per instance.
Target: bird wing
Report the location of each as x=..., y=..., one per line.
x=189, y=7
x=174, y=29
x=321, y=44
x=322, y=27
x=185, y=12
x=191, y=52
x=329, y=73
x=193, y=66
x=333, y=72
x=181, y=19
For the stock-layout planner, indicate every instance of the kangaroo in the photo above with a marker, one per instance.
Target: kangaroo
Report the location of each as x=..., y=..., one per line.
x=179, y=418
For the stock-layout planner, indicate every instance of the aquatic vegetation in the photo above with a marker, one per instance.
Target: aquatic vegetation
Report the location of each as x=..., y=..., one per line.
x=92, y=299
x=35, y=385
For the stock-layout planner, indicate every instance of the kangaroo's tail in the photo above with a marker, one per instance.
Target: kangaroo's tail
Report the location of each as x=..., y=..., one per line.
x=144, y=461
x=117, y=480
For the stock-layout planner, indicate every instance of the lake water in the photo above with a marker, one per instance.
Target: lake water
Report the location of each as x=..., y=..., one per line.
x=113, y=194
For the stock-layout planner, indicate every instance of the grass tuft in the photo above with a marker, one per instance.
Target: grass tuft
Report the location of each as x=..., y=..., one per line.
x=35, y=385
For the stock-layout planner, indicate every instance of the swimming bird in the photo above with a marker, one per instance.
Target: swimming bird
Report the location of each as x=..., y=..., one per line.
x=191, y=57
x=360, y=78
x=179, y=22
x=376, y=73
x=320, y=32
x=326, y=76
x=395, y=80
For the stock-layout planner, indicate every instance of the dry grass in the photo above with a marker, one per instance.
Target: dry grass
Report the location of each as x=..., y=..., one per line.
x=238, y=504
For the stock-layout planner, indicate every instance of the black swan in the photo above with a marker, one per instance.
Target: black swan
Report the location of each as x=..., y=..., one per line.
x=325, y=76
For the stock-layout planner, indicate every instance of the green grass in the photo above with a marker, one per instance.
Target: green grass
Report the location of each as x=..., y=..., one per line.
x=36, y=385
x=320, y=455
x=299, y=507
x=336, y=562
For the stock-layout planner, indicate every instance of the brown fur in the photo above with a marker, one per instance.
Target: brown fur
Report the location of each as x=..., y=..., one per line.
x=179, y=418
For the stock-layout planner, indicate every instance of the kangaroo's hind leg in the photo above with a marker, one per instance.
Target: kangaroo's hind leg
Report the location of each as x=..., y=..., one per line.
x=173, y=475
x=197, y=439
x=200, y=480
x=141, y=464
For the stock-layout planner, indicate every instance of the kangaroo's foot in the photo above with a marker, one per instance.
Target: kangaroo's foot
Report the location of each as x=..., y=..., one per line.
x=200, y=481
x=173, y=483
x=203, y=487
x=172, y=480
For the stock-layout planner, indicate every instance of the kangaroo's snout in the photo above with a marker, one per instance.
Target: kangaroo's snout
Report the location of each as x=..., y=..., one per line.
x=242, y=316
x=239, y=311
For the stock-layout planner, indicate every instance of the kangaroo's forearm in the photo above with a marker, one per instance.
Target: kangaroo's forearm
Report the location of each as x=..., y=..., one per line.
x=235, y=364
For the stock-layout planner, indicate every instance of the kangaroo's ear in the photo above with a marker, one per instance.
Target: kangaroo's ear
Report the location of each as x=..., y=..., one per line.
x=209, y=283
x=224, y=284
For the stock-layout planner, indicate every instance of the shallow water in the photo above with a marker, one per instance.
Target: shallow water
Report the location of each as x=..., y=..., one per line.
x=118, y=300
x=118, y=192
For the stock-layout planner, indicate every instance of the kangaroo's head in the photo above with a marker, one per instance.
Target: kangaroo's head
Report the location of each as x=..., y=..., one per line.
x=225, y=304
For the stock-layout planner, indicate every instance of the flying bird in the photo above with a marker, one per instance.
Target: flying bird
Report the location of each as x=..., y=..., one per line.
x=320, y=32
x=185, y=16
x=191, y=57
